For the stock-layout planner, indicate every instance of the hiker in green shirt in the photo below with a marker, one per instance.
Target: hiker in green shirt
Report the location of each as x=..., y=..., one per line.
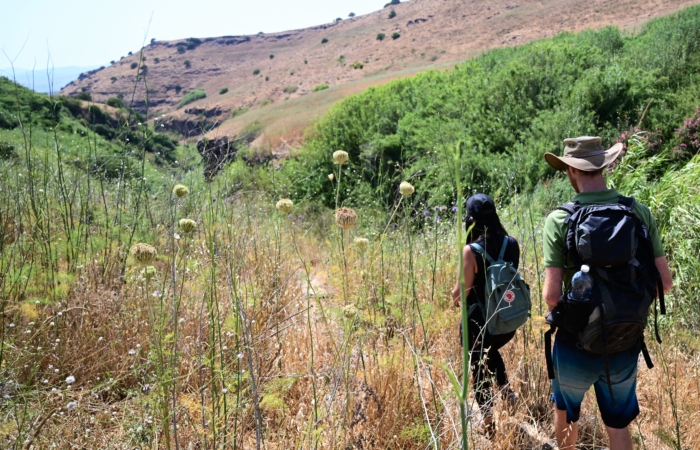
x=614, y=376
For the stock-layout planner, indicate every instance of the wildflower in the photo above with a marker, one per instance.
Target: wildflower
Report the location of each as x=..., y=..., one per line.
x=72, y=405
x=176, y=236
x=187, y=225
x=285, y=205
x=331, y=176
x=180, y=191
x=406, y=189
x=70, y=379
x=132, y=352
x=224, y=390
x=340, y=157
x=454, y=209
x=144, y=253
x=350, y=311
x=157, y=294
x=346, y=218
x=361, y=243
x=239, y=356
x=148, y=272
x=426, y=213
x=45, y=381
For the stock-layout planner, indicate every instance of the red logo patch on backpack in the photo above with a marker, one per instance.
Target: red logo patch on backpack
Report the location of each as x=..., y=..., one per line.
x=509, y=296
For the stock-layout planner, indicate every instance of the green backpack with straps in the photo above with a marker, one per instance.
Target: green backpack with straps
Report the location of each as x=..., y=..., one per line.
x=506, y=305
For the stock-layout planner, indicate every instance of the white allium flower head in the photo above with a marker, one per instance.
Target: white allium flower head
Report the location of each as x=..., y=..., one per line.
x=340, y=157
x=406, y=189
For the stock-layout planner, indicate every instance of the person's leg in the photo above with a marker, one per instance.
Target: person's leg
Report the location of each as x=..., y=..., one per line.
x=567, y=433
x=495, y=362
x=478, y=356
x=620, y=438
x=623, y=378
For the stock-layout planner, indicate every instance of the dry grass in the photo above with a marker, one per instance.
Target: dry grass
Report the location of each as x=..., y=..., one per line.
x=323, y=375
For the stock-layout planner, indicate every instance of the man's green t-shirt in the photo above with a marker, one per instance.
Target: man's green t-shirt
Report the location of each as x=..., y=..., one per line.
x=555, y=229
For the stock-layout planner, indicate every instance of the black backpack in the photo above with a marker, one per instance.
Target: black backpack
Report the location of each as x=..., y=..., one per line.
x=615, y=243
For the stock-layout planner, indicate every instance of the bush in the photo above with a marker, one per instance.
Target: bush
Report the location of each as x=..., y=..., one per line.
x=83, y=96
x=193, y=43
x=153, y=41
x=129, y=53
x=181, y=48
x=223, y=90
x=113, y=79
x=264, y=102
x=256, y=72
x=351, y=15
x=358, y=65
x=188, y=64
x=392, y=2
x=115, y=102
x=381, y=36
x=272, y=56
x=324, y=40
x=290, y=89
x=392, y=14
x=320, y=87
x=195, y=95
x=156, y=60
x=104, y=131
x=134, y=65
x=239, y=111
x=395, y=35
x=178, y=88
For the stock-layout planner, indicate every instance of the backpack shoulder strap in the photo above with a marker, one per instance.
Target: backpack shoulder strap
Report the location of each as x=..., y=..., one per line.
x=503, y=248
x=482, y=252
x=626, y=201
x=570, y=207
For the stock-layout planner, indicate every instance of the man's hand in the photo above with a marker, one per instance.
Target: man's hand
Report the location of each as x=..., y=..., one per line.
x=666, y=277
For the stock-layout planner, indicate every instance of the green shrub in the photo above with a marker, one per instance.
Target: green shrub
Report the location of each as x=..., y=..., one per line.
x=188, y=63
x=256, y=72
x=193, y=43
x=7, y=151
x=113, y=79
x=358, y=65
x=239, y=111
x=392, y=2
x=290, y=89
x=320, y=87
x=264, y=102
x=395, y=35
x=181, y=48
x=83, y=96
x=115, y=102
x=392, y=14
x=324, y=40
x=178, y=88
x=381, y=36
x=156, y=60
x=134, y=65
x=271, y=56
x=195, y=95
x=351, y=15
x=306, y=61
x=267, y=78
x=104, y=131
x=223, y=90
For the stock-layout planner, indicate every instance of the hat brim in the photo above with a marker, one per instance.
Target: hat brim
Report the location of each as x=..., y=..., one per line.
x=586, y=164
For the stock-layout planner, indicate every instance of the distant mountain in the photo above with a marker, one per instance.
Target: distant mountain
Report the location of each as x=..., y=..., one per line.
x=40, y=81
x=284, y=81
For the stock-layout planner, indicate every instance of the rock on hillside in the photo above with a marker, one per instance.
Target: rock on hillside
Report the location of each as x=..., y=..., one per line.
x=265, y=71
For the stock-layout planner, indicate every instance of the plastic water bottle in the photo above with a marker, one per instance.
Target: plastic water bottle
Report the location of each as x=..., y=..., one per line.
x=581, y=285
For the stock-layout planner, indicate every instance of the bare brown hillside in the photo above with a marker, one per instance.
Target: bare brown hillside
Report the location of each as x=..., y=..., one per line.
x=281, y=97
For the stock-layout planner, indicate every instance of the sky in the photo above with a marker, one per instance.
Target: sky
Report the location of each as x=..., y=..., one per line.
x=92, y=33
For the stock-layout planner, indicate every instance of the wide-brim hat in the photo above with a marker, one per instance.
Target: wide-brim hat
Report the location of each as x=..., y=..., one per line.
x=584, y=153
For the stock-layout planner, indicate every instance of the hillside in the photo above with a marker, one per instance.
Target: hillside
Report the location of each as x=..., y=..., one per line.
x=433, y=34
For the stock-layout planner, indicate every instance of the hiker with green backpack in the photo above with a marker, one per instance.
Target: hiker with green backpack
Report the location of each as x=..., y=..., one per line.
x=497, y=298
x=611, y=247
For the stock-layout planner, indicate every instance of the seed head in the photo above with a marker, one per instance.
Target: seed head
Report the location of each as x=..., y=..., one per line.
x=331, y=176
x=350, y=311
x=340, y=157
x=180, y=191
x=285, y=205
x=144, y=253
x=187, y=225
x=361, y=243
x=346, y=218
x=406, y=189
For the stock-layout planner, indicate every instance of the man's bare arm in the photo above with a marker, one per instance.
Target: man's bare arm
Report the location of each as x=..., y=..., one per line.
x=666, y=277
x=552, y=285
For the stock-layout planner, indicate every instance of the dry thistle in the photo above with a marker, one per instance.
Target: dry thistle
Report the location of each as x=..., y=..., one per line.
x=406, y=189
x=350, y=311
x=340, y=157
x=180, y=191
x=331, y=176
x=187, y=225
x=144, y=253
x=346, y=218
x=285, y=205
x=361, y=243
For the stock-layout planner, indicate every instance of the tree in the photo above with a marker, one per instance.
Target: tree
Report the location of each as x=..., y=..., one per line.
x=381, y=36
x=324, y=40
x=188, y=64
x=395, y=36
x=352, y=14
x=153, y=41
x=392, y=14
